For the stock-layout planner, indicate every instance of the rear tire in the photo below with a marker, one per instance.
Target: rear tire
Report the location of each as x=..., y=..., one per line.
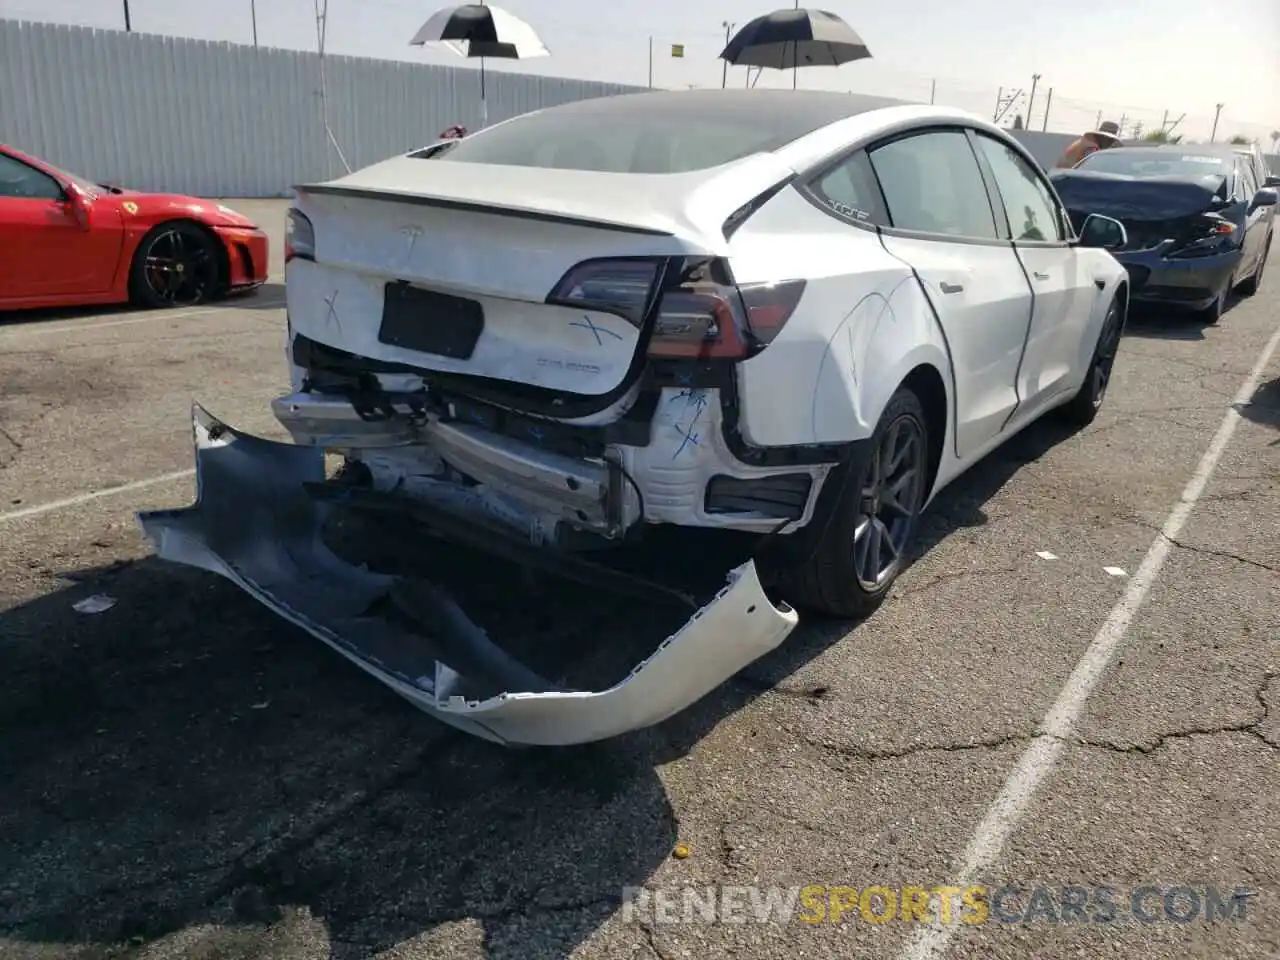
x=1250, y=286
x=1084, y=406
x=872, y=525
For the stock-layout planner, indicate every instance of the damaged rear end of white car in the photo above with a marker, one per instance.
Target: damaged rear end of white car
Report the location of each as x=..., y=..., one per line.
x=528, y=361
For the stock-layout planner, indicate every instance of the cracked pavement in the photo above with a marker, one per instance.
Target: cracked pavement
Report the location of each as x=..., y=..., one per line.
x=187, y=776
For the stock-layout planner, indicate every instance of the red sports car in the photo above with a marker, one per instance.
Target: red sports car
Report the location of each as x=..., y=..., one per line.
x=68, y=241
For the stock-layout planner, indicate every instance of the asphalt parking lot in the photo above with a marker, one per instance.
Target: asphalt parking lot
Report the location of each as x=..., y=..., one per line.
x=183, y=775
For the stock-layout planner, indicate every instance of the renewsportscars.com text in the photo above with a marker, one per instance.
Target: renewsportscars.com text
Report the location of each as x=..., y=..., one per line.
x=970, y=905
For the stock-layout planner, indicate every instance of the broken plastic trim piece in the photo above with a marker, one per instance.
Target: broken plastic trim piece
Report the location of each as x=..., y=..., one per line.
x=254, y=523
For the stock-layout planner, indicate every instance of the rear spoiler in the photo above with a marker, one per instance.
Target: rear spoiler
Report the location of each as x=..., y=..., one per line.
x=445, y=203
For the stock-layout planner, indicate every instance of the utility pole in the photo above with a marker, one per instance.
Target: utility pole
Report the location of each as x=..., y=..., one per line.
x=1217, y=115
x=1097, y=124
x=1031, y=100
x=651, y=63
x=999, y=100
x=253, y=15
x=933, y=90
x=128, y=24
x=724, y=75
x=1005, y=103
x=1047, y=104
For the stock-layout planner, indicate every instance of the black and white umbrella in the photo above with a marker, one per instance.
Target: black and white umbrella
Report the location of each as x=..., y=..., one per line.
x=787, y=39
x=479, y=30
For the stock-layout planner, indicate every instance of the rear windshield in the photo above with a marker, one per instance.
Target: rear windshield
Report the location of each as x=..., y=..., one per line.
x=623, y=135
x=1157, y=163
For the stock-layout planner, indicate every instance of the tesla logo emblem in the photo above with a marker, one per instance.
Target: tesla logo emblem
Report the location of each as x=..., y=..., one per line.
x=411, y=234
x=586, y=324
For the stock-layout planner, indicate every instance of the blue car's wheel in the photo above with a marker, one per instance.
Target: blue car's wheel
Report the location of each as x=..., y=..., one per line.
x=1213, y=313
x=1250, y=286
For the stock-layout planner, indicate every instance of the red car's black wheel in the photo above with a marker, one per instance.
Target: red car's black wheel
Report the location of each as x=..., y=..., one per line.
x=177, y=264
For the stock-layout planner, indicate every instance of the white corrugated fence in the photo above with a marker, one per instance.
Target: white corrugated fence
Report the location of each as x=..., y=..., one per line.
x=229, y=120
x=221, y=119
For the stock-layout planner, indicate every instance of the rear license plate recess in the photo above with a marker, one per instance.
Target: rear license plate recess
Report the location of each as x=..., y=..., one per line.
x=430, y=322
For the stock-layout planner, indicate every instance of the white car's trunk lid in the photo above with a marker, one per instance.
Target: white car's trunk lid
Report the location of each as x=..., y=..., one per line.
x=450, y=267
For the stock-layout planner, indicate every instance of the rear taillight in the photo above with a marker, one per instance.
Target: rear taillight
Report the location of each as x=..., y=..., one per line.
x=706, y=316
x=621, y=287
x=299, y=237
x=702, y=315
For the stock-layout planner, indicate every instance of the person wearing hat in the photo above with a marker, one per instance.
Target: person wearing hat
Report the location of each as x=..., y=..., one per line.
x=1104, y=138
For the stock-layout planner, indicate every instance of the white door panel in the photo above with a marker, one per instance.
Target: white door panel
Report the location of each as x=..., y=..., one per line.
x=1061, y=304
x=1063, y=301
x=981, y=297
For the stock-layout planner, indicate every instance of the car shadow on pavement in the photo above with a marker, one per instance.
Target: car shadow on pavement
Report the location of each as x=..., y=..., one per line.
x=1264, y=406
x=185, y=758
x=1152, y=323
x=958, y=507
x=185, y=764
x=269, y=296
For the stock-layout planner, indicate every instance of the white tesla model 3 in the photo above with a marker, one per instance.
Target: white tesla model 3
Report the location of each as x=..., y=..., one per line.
x=798, y=314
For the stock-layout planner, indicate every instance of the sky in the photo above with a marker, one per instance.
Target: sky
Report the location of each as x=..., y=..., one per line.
x=1123, y=60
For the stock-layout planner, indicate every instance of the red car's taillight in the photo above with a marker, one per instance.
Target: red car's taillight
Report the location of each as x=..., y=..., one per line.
x=701, y=313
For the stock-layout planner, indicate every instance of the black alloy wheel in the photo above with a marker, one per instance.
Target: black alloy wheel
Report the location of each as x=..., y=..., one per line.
x=176, y=266
x=1084, y=406
x=889, y=503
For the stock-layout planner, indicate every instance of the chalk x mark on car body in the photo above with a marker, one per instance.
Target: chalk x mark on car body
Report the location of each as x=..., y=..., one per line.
x=586, y=323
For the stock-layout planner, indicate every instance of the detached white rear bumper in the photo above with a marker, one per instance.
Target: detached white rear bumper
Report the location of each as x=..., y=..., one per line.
x=255, y=523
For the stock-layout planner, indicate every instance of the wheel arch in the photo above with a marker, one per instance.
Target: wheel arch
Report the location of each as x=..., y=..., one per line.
x=1122, y=297
x=219, y=247
x=926, y=381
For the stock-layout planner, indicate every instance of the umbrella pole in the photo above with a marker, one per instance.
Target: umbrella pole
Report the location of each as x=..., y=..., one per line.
x=795, y=54
x=484, y=103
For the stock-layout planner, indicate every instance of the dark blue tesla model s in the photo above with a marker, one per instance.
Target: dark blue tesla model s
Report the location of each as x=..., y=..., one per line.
x=1199, y=223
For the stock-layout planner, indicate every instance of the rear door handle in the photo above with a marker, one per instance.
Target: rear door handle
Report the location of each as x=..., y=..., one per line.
x=1041, y=276
x=951, y=287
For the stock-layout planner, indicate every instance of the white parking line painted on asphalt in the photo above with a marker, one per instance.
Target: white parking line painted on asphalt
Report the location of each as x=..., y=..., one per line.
x=75, y=501
x=1044, y=754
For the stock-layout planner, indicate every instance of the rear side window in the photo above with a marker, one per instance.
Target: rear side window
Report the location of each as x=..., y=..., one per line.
x=932, y=184
x=850, y=191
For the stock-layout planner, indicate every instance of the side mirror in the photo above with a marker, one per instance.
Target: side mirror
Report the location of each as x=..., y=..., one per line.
x=1266, y=197
x=1103, y=233
x=78, y=204
x=1272, y=182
